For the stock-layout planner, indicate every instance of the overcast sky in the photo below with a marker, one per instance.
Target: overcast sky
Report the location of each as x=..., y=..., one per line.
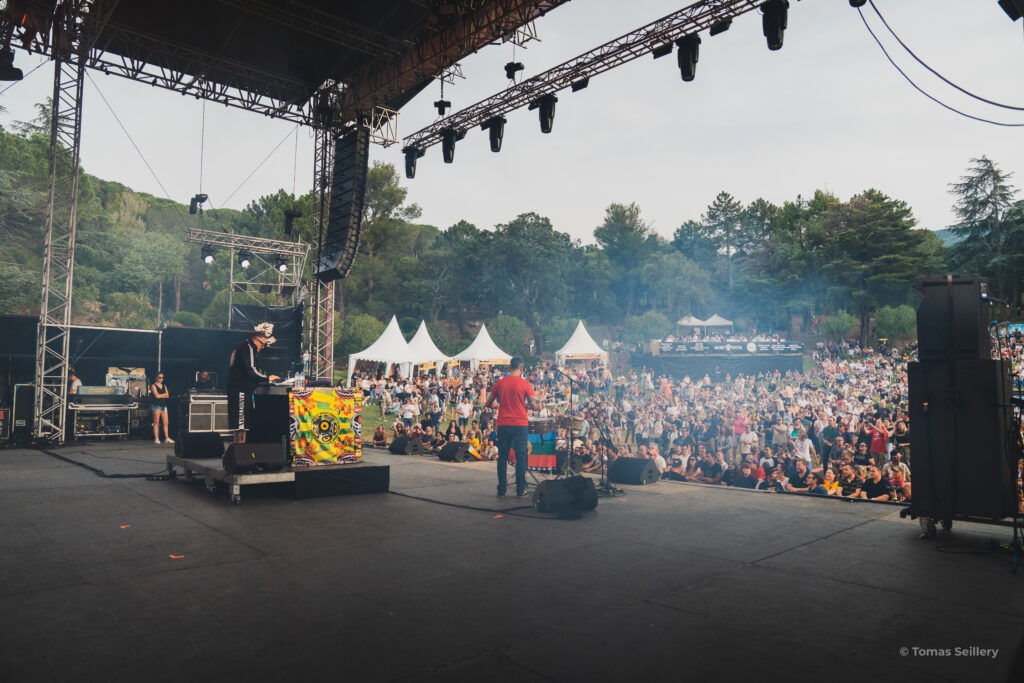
x=826, y=112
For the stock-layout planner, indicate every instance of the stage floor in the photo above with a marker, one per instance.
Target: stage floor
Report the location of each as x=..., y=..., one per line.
x=115, y=579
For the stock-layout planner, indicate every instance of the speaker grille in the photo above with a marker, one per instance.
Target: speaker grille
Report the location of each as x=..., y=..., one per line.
x=348, y=189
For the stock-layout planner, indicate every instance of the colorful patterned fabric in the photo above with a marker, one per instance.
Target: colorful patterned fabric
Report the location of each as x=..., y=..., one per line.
x=326, y=426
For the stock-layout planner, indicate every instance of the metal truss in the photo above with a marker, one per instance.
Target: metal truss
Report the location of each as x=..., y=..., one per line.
x=382, y=124
x=72, y=38
x=321, y=304
x=390, y=76
x=690, y=20
x=257, y=245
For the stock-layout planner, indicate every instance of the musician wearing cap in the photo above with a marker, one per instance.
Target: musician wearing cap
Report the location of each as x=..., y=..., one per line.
x=513, y=394
x=244, y=375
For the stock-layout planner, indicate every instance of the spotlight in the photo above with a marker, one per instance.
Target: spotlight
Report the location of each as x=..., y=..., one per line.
x=244, y=259
x=411, y=155
x=580, y=84
x=195, y=204
x=207, y=253
x=442, y=106
x=662, y=51
x=773, y=20
x=448, y=139
x=720, y=27
x=858, y=3
x=546, y=105
x=281, y=264
x=8, y=72
x=511, y=68
x=689, y=49
x=1013, y=8
x=496, y=127
x=289, y=219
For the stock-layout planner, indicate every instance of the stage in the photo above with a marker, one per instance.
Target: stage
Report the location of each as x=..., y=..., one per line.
x=127, y=579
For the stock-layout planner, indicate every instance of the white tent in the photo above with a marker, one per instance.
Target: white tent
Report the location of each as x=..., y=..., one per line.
x=718, y=321
x=421, y=348
x=581, y=346
x=483, y=350
x=691, y=321
x=389, y=348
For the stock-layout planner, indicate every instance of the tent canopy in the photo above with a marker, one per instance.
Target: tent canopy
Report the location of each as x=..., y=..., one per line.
x=390, y=347
x=483, y=350
x=691, y=321
x=581, y=346
x=421, y=348
x=717, y=321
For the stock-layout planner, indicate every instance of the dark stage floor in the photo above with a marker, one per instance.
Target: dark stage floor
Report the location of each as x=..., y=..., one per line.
x=109, y=579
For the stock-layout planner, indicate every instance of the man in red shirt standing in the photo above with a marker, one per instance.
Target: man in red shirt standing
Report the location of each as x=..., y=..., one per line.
x=513, y=394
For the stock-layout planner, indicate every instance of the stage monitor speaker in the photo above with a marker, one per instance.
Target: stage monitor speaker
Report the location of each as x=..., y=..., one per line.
x=198, y=445
x=254, y=457
x=638, y=471
x=953, y=317
x=345, y=217
x=962, y=462
x=404, y=445
x=569, y=495
x=454, y=451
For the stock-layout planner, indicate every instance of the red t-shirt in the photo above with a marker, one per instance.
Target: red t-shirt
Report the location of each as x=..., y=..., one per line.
x=511, y=392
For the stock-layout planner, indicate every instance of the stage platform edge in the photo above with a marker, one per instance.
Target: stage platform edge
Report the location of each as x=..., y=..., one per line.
x=309, y=482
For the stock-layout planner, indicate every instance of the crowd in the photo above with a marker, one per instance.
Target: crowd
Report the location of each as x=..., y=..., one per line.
x=840, y=429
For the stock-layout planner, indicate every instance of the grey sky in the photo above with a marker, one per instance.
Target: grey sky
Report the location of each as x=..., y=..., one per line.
x=827, y=111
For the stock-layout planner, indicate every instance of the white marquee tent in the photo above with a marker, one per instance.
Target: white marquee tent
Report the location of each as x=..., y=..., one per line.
x=581, y=346
x=422, y=350
x=483, y=350
x=389, y=348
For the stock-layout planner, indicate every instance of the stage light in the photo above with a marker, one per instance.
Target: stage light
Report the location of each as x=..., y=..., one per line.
x=448, y=139
x=289, y=219
x=442, y=106
x=411, y=155
x=196, y=202
x=580, y=84
x=496, y=131
x=546, y=105
x=689, y=50
x=1013, y=8
x=858, y=3
x=511, y=68
x=8, y=72
x=207, y=253
x=281, y=264
x=720, y=27
x=244, y=259
x=774, y=15
x=662, y=51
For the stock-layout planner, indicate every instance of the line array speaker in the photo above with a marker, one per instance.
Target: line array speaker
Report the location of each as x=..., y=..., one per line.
x=345, y=217
x=953, y=317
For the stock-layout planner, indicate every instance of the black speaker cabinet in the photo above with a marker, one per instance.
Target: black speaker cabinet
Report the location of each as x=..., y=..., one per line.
x=348, y=190
x=198, y=445
x=572, y=494
x=633, y=471
x=404, y=445
x=254, y=457
x=454, y=451
x=960, y=418
x=953, y=318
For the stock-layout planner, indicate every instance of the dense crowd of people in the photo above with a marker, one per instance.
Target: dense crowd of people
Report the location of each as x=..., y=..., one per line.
x=840, y=429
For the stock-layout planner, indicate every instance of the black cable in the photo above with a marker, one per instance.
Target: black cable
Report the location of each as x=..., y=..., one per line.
x=918, y=88
x=936, y=73
x=23, y=77
x=100, y=473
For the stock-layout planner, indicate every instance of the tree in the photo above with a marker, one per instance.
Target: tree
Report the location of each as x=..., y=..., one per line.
x=357, y=332
x=643, y=328
x=509, y=333
x=896, y=322
x=984, y=199
x=675, y=284
x=628, y=241
x=838, y=327
x=531, y=280
x=721, y=223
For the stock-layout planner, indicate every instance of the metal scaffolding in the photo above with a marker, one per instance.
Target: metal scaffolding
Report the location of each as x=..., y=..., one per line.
x=71, y=42
x=321, y=304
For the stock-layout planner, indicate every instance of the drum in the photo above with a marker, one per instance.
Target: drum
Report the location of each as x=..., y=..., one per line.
x=541, y=425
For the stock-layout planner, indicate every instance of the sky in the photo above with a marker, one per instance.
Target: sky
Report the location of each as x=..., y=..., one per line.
x=828, y=112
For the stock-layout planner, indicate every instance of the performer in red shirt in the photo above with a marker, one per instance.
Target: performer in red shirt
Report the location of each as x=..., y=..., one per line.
x=513, y=394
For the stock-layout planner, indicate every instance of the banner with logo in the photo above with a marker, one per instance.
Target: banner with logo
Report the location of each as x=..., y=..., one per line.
x=326, y=426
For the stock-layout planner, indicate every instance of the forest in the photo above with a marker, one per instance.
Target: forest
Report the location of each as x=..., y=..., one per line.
x=848, y=265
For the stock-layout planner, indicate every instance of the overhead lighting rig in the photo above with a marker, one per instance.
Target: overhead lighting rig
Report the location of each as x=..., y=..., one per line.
x=538, y=92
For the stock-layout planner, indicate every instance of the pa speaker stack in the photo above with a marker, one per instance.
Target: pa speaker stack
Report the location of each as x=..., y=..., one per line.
x=568, y=496
x=198, y=445
x=345, y=217
x=404, y=445
x=638, y=471
x=960, y=406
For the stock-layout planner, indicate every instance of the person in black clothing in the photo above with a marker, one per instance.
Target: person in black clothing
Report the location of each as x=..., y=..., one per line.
x=158, y=397
x=244, y=376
